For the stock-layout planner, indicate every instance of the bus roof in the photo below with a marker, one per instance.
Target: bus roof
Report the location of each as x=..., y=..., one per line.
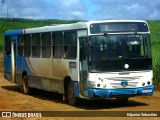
x=73, y=26
x=14, y=32
x=63, y=27
x=104, y=21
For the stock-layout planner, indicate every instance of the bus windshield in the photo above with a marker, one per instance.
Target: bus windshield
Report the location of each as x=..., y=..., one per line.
x=119, y=49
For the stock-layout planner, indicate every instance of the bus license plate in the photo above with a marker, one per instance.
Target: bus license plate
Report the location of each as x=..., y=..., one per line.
x=146, y=91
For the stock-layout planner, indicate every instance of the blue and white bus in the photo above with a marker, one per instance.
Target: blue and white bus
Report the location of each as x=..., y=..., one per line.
x=89, y=60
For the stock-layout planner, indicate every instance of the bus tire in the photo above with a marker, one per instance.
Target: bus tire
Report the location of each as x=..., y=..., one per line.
x=25, y=88
x=72, y=100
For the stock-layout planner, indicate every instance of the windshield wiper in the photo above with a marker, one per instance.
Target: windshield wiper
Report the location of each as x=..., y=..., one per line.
x=107, y=36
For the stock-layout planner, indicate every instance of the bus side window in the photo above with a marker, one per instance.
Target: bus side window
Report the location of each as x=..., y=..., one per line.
x=20, y=45
x=57, y=44
x=46, y=45
x=8, y=45
x=36, y=43
x=70, y=45
x=27, y=45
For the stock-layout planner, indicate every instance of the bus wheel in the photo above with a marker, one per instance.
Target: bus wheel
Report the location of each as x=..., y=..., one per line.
x=122, y=100
x=71, y=97
x=25, y=88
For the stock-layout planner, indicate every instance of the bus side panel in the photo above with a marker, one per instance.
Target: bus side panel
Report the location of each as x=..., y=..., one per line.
x=27, y=66
x=19, y=70
x=7, y=67
x=49, y=74
x=7, y=58
x=23, y=66
x=39, y=71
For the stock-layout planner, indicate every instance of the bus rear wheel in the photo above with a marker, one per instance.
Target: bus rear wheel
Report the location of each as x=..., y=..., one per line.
x=25, y=88
x=70, y=95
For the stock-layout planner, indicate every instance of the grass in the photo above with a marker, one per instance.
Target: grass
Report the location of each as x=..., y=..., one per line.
x=20, y=23
x=155, y=42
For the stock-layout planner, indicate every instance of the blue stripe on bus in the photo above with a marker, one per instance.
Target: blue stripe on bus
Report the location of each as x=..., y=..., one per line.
x=76, y=88
x=14, y=32
x=108, y=93
x=22, y=65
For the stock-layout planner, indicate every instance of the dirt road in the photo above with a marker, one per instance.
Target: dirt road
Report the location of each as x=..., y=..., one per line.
x=11, y=99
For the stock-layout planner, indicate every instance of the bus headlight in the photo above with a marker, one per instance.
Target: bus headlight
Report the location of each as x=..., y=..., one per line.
x=104, y=86
x=143, y=84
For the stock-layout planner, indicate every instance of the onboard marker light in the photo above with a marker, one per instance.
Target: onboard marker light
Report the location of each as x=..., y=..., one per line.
x=143, y=84
x=104, y=86
x=126, y=66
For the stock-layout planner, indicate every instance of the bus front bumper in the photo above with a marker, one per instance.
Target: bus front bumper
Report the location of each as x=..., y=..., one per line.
x=111, y=93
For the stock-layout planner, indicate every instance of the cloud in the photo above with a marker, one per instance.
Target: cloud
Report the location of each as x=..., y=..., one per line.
x=82, y=9
x=71, y=9
x=34, y=9
x=127, y=9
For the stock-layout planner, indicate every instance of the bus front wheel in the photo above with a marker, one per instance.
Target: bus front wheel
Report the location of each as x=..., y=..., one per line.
x=25, y=88
x=71, y=97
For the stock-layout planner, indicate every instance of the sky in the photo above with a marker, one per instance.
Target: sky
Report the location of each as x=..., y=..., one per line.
x=81, y=9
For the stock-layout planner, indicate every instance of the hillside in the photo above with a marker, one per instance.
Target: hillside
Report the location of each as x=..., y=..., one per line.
x=18, y=23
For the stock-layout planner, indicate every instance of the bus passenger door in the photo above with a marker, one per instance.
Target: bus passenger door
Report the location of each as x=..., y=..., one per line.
x=83, y=67
x=13, y=58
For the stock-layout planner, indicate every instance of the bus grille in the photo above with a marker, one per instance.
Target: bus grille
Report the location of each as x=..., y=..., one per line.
x=115, y=82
